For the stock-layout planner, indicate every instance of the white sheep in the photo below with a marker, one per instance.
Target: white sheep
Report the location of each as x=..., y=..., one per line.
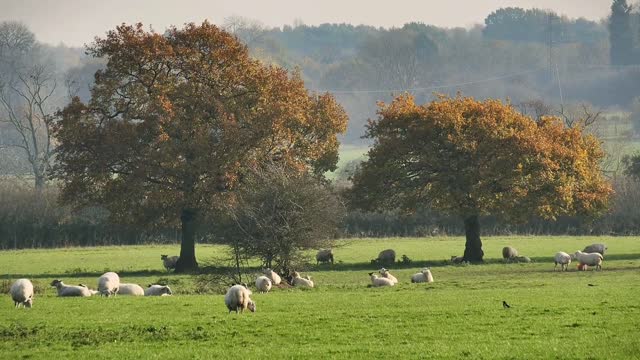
x=509, y=252
x=169, y=262
x=70, y=290
x=22, y=293
x=563, y=259
x=520, y=259
x=591, y=259
x=158, y=290
x=93, y=292
x=324, y=256
x=238, y=298
x=263, y=284
x=387, y=256
x=386, y=274
x=423, y=276
x=131, y=289
x=301, y=281
x=273, y=276
x=595, y=248
x=108, y=284
x=380, y=281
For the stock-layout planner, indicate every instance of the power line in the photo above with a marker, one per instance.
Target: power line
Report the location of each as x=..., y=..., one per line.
x=495, y=78
x=559, y=86
x=430, y=88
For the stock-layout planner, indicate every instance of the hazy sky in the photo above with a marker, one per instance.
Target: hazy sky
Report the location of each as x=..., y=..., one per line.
x=76, y=22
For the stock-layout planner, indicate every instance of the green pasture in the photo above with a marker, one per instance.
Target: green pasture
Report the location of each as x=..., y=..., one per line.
x=554, y=315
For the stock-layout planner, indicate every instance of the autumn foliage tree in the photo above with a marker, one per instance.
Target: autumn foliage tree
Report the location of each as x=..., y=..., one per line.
x=471, y=158
x=175, y=119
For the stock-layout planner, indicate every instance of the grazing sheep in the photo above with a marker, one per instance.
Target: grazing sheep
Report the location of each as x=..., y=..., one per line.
x=595, y=248
x=70, y=290
x=169, y=262
x=263, y=284
x=131, y=289
x=158, y=290
x=380, y=281
x=22, y=293
x=563, y=259
x=238, y=298
x=591, y=259
x=509, y=252
x=423, y=276
x=457, y=259
x=273, y=276
x=386, y=274
x=387, y=256
x=108, y=284
x=324, y=256
x=299, y=281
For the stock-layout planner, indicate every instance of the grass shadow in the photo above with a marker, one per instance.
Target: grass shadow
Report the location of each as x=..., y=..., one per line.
x=361, y=266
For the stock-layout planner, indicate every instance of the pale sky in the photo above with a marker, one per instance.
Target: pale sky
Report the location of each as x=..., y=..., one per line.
x=77, y=22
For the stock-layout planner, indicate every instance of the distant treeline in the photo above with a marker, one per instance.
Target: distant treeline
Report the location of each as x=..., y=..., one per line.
x=519, y=54
x=28, y=220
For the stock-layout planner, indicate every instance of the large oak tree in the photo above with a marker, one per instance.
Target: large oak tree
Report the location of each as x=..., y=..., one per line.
x=175, y=119
x=471, y=158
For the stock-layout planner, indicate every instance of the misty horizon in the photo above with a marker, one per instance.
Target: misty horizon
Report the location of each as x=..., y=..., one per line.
x=76, y=23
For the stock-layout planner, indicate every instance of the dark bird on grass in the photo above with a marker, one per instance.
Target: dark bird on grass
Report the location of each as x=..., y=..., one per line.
x=590, y=285
x=505, y=305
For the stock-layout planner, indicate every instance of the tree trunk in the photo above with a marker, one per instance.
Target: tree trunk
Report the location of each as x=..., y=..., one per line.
x=187, y=261
x=38, y=176
x=473, y=247
x=39, y=182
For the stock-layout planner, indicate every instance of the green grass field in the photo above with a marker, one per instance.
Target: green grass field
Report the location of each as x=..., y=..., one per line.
x=554, y=315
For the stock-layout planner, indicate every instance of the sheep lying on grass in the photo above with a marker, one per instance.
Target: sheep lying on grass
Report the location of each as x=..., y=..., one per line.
x=238, y=298
x=423, y=276
x=509, y=252
x=519, y=259
x=108, y=284
x=324, y=256
x=158, y=290
x=131, y=289
x=273, y=276
x=590, y=259
x=169, y=262
x=70, y=290
x=563, y=259
x=595, y=248
x=380, y=281
x=386, y=274
x=263, y=284
x=22, y=293
x=93, y=292
x=301, y=281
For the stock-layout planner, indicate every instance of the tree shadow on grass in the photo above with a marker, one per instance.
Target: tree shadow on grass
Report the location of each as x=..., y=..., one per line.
x=339, y=266
x=84, y=273
x=440, y=263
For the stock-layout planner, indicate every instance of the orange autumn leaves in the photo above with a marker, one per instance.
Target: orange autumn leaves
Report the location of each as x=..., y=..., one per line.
x=176, y=118
x=468, y=157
